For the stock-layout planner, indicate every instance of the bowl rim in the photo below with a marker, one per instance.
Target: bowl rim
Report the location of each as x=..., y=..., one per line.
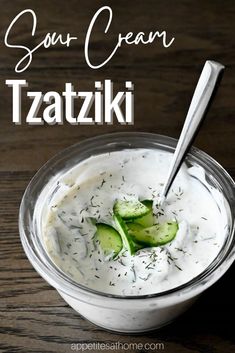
x=66, y=284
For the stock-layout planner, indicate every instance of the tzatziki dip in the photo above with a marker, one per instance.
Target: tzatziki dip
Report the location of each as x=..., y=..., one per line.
x=105, y=229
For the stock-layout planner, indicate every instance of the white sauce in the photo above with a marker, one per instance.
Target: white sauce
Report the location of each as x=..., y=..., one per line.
x=90, y=190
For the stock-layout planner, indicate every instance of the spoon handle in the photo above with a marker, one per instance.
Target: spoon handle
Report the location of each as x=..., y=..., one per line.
x=202, y=97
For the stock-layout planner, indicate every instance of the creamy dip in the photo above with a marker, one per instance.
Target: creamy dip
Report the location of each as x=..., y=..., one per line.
x=87, y=193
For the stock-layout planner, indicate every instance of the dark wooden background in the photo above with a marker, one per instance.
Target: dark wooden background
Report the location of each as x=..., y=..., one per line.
x=33, y=318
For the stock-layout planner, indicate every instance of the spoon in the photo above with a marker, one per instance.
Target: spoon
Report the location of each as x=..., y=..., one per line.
x=205, y=89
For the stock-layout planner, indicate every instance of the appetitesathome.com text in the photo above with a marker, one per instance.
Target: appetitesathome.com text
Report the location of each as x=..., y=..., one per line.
x=125, y=346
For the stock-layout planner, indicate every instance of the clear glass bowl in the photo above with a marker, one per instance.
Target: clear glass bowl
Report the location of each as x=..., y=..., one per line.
x=121, y=313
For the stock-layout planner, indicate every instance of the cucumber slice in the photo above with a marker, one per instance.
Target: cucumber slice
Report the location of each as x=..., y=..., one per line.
x=128, y=242
x=148, y=203
x=134, y=227
x=159, y=234
x=130, y=209
x=109, y=239
x=148, y=219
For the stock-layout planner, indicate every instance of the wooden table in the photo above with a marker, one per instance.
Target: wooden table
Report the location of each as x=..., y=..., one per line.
x=33, y=318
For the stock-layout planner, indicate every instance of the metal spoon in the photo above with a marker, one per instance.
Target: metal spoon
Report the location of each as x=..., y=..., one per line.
x=202, y=97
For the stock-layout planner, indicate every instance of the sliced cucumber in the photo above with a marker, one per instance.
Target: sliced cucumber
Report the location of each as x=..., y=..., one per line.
x=148, y=219
x=148, y=203
x=138, y=246
x=159, y=234
x=128, y=241
x=130, y=209
x=109, y=239
x=134, y=227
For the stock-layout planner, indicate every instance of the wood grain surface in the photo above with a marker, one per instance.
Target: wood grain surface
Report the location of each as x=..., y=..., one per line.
x=33, y=317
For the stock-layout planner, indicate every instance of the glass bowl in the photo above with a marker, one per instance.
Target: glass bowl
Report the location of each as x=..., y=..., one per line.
x=130, y=314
